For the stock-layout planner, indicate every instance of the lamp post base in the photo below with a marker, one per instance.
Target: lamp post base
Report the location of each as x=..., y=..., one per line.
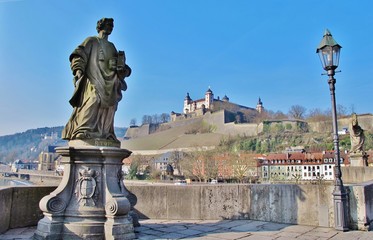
x=340, y=200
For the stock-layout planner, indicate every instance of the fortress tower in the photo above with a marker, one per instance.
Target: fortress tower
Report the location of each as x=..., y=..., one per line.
x=209, y=98
x=187, y=104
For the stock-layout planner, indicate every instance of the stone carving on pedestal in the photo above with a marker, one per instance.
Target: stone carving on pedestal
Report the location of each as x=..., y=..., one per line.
x=358, y=157
x=92, y=202
x=86, y=187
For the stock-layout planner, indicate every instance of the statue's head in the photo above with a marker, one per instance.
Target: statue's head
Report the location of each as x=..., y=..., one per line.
x=354, y=119
x=106, y=24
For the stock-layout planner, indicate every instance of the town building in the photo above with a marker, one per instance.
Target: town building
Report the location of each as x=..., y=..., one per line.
x=19, y=164
x=48, y=160
x=299, y=166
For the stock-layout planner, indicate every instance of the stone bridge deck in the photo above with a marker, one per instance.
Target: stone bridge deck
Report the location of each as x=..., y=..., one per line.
x=221, y=229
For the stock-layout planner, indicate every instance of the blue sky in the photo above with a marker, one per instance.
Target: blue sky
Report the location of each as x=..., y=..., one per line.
x=243, y=48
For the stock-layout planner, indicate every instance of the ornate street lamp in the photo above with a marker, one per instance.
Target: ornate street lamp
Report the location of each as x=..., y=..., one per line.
x=328, y=51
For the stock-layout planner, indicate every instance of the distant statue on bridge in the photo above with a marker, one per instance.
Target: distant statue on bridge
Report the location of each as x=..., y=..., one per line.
x=99, y=71
x=356, y=135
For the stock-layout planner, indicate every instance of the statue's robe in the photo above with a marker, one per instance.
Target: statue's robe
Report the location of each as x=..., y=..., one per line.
x=97, y=92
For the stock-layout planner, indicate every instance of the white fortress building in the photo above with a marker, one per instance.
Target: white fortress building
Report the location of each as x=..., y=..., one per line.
x=192, y=108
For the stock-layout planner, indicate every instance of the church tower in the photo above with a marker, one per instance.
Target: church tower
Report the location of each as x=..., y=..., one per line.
x=209, y=98
x=259, y=106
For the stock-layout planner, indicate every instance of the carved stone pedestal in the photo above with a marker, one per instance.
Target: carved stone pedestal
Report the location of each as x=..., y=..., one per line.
x=91, y=201
x=358, y=159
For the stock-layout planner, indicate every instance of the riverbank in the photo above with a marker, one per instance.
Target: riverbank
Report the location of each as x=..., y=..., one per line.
x=34, y=179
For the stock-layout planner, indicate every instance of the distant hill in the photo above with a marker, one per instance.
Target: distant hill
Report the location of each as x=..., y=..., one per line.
x=28, y=145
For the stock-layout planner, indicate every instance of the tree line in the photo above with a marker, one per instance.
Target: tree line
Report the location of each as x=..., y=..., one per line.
x=152, y=119
x=201, y=166
x=301, y=113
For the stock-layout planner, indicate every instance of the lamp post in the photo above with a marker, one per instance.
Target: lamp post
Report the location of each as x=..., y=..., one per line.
x=328, y=51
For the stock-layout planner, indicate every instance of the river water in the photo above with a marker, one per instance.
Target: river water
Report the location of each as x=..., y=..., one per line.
x=12, y=182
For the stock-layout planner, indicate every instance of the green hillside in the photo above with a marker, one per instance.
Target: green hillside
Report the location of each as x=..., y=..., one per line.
x=28, y=145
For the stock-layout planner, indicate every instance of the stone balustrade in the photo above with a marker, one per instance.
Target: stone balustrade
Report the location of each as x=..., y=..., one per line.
x=282, y=203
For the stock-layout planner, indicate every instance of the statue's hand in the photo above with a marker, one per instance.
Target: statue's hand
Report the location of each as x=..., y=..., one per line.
x=124, y=72
x=78, y=74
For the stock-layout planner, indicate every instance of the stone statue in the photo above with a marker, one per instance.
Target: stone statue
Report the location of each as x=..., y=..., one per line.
x=99, y=71
x=356, y=135
x=92, y=190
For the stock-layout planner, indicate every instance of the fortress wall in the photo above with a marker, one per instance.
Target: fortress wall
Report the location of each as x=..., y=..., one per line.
x=365, y=122
x=131, y=132
x=247, y=129
x=184, y=122
x=216, y=119
x=143, y=130
x=321, y=127
x=134, y=132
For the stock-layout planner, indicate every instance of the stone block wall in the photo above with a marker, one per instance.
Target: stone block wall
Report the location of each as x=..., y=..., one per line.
x=282, y=203
x=352, y=174
x=19, y=206
x=5, y=208
x=296, y=204
x=287, y=203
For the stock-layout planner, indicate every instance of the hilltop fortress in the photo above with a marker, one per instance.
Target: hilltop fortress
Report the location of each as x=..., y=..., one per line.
x=199, y=107
x=221, y=115
x=212, y=118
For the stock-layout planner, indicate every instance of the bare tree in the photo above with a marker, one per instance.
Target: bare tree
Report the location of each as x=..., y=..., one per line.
x=279, y=115
x=165, y=117
x=191, y=166
x=352, y=108
x=243, y=166
x=142, y=162
x=156, y=119
x=133, y=122
x=341, y=110
x=147, y=119
x=211, y=165
x=317, y=115
x=297, y=112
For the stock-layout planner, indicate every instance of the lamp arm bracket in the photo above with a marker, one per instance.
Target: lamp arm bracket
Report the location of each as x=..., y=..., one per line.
x=335, y=72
